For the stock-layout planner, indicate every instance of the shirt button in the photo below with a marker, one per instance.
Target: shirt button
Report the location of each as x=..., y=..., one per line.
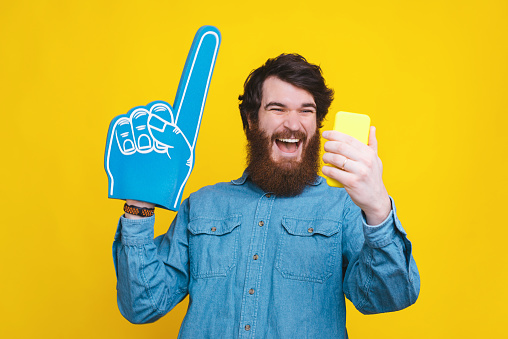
x=268, y=195
x=261, y=223
x=247, y=327
x=214, y=229
x=255, y=257
x=251, y=291
x=310, y=230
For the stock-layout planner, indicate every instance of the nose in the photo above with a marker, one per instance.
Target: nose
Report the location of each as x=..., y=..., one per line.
x=292, y=121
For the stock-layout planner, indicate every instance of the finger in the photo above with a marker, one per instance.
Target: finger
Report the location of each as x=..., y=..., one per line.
x=343, y=148
x=160, y=123
x=373, y=139
x=340, y=162
x=193, y=88
x=139, y=119
x=162, y=131
x=342, y=137
x=164, y=117
x=124, y=136
x=162, y=110
x=115, y=147
x=341, y=176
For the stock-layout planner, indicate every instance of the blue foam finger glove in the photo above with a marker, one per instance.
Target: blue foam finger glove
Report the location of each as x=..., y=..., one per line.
x=150, y=150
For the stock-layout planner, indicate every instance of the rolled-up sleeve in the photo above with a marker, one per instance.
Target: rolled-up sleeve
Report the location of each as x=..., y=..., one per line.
x=381, y=273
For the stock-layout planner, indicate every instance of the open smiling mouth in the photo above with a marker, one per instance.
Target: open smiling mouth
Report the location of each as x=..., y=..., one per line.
x=288, y=145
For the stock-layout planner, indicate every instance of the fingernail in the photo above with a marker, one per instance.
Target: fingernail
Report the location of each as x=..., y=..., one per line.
x=128, y=146
x=144, y=142
x=157, y=123
x=325, y=134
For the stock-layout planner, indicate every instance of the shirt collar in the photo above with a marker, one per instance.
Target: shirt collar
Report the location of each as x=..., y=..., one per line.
x=245, y=175
x=241, y=180
x=317, y=181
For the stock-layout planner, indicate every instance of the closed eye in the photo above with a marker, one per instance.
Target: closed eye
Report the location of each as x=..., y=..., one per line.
x=307, y=112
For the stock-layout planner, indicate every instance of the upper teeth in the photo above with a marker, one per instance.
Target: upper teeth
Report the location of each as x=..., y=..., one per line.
x=289, y=140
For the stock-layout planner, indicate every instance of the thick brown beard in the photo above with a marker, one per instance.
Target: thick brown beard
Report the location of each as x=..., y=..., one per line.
x=285, y=179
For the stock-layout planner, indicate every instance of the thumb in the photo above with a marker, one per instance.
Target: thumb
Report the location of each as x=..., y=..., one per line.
x=372, y=138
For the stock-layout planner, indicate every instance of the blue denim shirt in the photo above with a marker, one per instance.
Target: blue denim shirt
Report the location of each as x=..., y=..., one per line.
x=256, y=265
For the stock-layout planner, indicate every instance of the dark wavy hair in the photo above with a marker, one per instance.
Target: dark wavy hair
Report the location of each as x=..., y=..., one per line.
x=291, y=68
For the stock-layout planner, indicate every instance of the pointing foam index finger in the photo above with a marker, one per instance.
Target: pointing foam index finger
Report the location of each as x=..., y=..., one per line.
x=195, y=81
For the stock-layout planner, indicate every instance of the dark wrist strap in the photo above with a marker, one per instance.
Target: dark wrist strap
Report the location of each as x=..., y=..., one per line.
x=140, y=211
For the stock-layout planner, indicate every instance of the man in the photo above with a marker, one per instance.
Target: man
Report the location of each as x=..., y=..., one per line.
x=272, y=254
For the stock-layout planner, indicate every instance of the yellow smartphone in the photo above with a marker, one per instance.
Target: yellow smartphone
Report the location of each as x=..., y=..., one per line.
x=355, y=125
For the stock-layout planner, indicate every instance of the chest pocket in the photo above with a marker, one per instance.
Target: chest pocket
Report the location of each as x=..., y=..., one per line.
x=213, y=246
x=308, y=249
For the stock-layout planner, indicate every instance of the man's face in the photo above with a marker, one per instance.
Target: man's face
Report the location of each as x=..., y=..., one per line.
x=287, y=116
x=283, y=145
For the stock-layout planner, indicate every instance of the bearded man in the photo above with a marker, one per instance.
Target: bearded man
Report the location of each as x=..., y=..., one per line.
x=274, y=253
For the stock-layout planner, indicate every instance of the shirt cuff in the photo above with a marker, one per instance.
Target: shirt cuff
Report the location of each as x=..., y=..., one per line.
x=135, y=231
x=380, y=235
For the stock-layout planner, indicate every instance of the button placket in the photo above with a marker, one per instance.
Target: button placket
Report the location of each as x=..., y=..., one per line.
x=253, y=276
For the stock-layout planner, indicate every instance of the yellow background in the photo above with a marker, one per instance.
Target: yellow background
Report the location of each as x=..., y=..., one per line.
x=431, y=74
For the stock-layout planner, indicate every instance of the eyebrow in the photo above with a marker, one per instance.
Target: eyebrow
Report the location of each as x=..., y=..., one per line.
x=274, y=103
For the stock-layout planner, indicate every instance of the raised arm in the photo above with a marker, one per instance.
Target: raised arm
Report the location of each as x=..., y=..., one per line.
x=152, y=274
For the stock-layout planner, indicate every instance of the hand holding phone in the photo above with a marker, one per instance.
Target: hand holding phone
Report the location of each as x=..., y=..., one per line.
x=352, y=158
